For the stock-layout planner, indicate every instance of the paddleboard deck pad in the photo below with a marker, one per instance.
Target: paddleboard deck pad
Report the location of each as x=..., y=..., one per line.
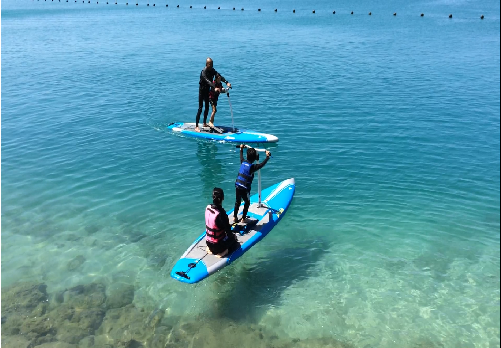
x=222, y=133
x=197, y=264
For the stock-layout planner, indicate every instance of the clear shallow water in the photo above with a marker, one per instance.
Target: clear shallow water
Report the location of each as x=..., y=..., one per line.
x=390, y=126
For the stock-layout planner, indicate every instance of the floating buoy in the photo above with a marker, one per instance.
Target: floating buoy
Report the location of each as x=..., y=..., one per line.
x=233, y=9
x=293, y=11
x=351, y=12
x=177, y=6
x=450, y=16
x=219, y=8
x=482, y=17
x=394, y=13
x=167, y=5
x=191, y=6
x=370, y=13
x=333, y=12
x=242, y=8
x=313, y=11
x=422, y=14
x=205, y=7
x=153, y=4
x=276, y=10
x=147, y=4
x=258, y=10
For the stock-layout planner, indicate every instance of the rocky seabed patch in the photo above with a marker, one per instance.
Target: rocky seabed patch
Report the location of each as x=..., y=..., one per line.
x=92, y=316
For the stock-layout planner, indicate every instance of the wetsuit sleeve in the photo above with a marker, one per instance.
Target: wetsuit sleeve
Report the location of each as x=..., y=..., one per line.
x=256, y=167
x=222, y=78
x=203, y=76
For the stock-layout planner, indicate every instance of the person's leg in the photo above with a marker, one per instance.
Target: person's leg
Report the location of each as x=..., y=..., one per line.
x=214, y=110
x=200, y=106
x=206, y=111
x=246, y=198
x=237, y=204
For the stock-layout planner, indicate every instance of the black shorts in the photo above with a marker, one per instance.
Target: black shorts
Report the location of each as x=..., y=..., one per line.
x=229, y=242
x=213, y=102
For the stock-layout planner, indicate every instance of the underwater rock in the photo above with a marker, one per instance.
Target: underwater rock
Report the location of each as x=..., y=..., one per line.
x=72, y=333
x=126, y=323
x=32, y=328
x=57, y=345
x=12, y=324
x=61, y=314
x=71, y=237
x=119, y=295
x=155, y=318
x=157, y=341
x=86, y=296
x=86, y=342
x=23, y=298
x=157, y=261
x=75, y=263
x=91, y=229
x=17, y=341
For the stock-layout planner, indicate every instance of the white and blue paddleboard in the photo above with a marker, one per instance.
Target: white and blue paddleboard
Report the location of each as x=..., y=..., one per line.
x=228, y=134
x=196, y=264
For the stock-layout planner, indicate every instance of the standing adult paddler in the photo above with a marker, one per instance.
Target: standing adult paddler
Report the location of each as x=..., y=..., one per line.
x=206, y=83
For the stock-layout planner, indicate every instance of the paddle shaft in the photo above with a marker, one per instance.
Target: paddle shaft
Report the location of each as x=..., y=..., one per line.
x=231, y=110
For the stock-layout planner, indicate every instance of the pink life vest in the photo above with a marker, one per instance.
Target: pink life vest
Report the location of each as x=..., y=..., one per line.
x=213, y=233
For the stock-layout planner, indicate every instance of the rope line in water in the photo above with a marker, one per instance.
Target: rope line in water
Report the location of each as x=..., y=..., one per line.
x=258, y=10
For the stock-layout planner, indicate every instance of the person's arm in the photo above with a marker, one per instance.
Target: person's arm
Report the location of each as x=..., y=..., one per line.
x=222, y=78
x=203, y=76
x=257, y=166
x=241, y=154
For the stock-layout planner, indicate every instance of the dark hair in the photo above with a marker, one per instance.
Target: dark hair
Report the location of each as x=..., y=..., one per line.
x=217, y=195
x=251, y=154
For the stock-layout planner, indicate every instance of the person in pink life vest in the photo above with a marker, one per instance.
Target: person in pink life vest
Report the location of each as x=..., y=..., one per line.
x=213, y=97
x=219, y=238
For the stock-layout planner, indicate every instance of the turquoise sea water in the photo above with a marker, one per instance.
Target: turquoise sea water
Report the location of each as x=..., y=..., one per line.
x=389, y=125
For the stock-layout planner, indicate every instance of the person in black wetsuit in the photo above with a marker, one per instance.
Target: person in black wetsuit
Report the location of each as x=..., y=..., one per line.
x=244, y=179
x=219, y=238
x=206, y=78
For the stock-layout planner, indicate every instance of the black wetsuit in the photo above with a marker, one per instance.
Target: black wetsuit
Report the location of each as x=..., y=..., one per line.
x=244, y=194
x=228, y=242
x=206, y=78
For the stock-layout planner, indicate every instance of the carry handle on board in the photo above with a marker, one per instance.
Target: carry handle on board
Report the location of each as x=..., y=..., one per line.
x=258, y=172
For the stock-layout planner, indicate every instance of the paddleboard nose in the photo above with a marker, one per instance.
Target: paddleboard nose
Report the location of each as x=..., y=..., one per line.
x=271, y=138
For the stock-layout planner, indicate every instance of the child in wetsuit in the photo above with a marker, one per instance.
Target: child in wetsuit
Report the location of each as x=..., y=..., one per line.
x=213, y=97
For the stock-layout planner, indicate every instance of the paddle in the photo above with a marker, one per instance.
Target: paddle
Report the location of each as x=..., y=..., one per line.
x=231, y=110
x=190, y=267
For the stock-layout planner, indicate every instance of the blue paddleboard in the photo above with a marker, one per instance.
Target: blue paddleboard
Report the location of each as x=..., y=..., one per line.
x=197, y=264
x=228, y=133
